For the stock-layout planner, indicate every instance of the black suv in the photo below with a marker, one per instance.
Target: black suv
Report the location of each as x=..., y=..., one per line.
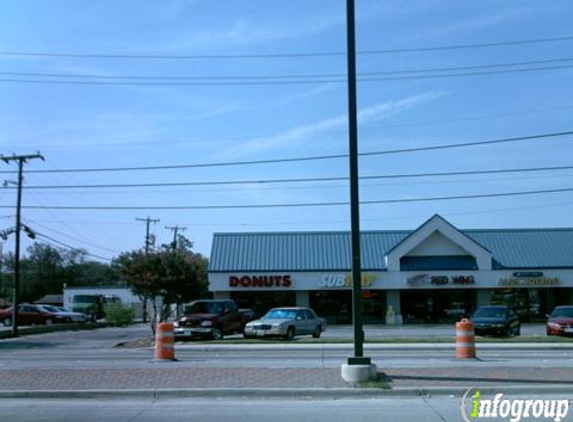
x=496, y=320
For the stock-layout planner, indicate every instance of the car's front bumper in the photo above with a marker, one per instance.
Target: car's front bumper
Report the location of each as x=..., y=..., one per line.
x=560, y=330
x=264, y=332
x=490, y=330
x=189, y=332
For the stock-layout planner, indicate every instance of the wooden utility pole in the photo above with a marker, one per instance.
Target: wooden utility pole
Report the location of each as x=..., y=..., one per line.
x=21, y=159
x=148, y=243
x=175, y=230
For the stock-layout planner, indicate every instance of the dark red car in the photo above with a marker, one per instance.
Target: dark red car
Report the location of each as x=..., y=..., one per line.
x=560, y=322
x=30, y=315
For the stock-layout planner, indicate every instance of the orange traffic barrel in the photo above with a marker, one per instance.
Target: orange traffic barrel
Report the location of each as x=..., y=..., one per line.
x=465, y=341
x=164, y=344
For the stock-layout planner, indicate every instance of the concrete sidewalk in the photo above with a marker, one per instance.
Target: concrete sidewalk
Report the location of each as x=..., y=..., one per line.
x=167, y=376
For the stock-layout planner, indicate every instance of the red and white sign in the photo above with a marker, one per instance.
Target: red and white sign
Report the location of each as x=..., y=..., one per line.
x=260, y=281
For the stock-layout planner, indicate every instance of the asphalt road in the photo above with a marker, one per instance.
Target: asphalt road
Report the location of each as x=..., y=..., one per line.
x=95, y=349
x=428, y=409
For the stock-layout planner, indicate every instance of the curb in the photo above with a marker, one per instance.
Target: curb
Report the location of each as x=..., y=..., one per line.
x=45, y=329
x=277, y=393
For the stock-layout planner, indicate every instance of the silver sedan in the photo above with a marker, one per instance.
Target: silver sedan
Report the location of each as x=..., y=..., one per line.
x=286, y=323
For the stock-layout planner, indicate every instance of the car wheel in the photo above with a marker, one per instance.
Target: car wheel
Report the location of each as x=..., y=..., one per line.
x=216, y=334
x=517, y=331
x=246, y=336
x=289, y=334
x=48, y=321
x=317, y=331
x=7, y=322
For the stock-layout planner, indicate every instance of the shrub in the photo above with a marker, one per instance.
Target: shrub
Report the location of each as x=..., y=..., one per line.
x=117, y=314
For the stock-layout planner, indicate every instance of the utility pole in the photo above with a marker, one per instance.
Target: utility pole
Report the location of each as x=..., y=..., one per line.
x=175, y=230
x=148, y=242
x=358, y=368
x=21, y=159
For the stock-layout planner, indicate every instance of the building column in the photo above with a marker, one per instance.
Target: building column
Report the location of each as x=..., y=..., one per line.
x=393, y=307
x=222, y=295
x=302, y=298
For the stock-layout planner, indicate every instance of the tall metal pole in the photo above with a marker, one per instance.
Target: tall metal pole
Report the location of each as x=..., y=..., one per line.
x=358, y=358
x=16, y=298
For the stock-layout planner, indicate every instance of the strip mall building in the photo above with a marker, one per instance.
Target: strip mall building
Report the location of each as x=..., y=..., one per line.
x=435, y=273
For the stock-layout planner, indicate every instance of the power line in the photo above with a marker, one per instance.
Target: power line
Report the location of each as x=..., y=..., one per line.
x=36, y=223
x=310, y=158
x=291, y=76
x=293, y=205
x=282, y=55
x=282, y=82
x=367, y=126
x=301, y=180
x=322, y=221
x=72, y=248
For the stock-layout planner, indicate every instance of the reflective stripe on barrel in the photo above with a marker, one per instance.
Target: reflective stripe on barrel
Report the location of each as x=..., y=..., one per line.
x=164, y=347
x=465, y=342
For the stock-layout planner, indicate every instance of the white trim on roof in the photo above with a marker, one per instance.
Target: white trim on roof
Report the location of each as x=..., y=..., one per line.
x=434, y=225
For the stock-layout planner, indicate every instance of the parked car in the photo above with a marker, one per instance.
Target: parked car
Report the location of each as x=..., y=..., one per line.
x=286, y=323
x=67, y=314
x=496, y=320
x=30, y=315
x=456, y=310
x=210, y=318
x=560, y=322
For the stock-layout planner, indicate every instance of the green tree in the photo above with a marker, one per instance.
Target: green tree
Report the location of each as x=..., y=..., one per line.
x=165, y=277
x=45, y=269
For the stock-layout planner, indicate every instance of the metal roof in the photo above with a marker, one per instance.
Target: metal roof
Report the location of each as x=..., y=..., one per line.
x=330, y=251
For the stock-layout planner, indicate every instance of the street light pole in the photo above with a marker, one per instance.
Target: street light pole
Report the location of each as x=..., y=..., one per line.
x=358, y=368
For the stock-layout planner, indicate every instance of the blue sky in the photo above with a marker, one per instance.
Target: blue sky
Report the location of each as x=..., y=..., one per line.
x=109, y=126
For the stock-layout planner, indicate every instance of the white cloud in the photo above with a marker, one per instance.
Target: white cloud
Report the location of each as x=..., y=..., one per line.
x=287, y=138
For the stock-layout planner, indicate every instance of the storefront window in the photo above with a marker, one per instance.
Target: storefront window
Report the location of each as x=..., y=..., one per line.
x=435, y=306
x=531, y=305
x=261, y=302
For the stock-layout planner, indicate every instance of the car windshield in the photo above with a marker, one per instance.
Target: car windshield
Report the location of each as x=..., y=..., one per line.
x=281, y=314
x=85, y=299
x=205, y=308
x=562, y=312
x=490, y=313
x=50, y=308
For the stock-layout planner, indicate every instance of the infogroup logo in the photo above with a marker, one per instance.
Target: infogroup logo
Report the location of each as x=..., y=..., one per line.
x=475, y=407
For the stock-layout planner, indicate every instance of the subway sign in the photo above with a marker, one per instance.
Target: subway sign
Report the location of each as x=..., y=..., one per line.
x=340, y=281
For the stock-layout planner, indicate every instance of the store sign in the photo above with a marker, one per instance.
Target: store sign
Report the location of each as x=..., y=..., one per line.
x=263, y=281
x=439, y=280
x=528, y=281
x=536, y=274
x=339, y=281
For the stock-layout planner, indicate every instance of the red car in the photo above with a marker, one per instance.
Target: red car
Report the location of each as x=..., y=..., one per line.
x=30, y=315
x=560, y=322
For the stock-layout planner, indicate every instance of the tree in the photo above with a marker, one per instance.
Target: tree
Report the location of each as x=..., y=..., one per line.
x=45, y=269
x=165, y=277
